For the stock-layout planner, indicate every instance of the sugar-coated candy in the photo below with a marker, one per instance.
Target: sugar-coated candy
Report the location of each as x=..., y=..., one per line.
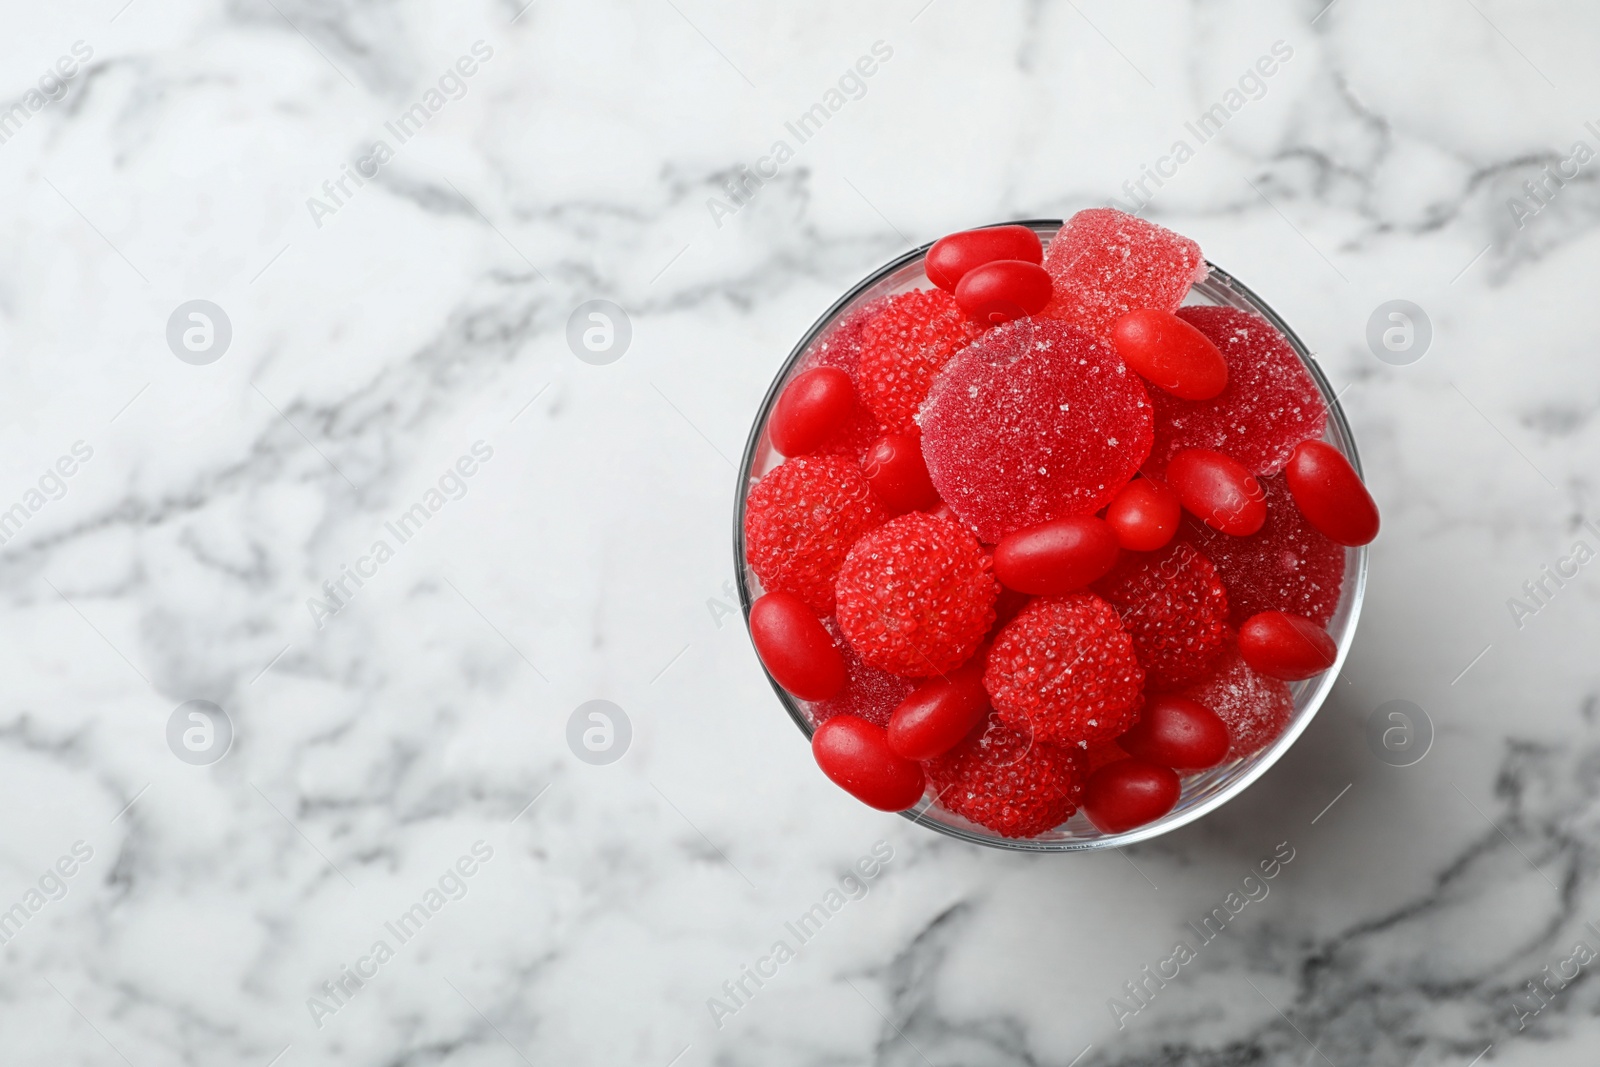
x=800, y=521
x=794, y=647
x=868, y=693
x=1008, y=780
x=1329, y=493
x=1032, y=422
x=1055, y=557
x=1218, y=490
x=953, y=256
x=1003, y=290
x=1106, y=263
x=1177, y=732
x=903, y=346
x=1174, y=607
x=1290, y=647
x=1129, y=793
x=1254, y=707
x=856, y=756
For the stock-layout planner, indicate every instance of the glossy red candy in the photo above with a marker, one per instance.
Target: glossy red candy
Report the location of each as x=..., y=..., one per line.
x=1218, y=491
x=1003, y=290
x=1129, y=793
x=795, y=648
x=952, y=257
x=1177, y=732
x=1060, y=556
x=1170, y=354
x=1329, y=493
x=1286, y=646
x=897, y=473
x=940, y=712
x=1144, y=515
x=855, y=754
x=812, y=408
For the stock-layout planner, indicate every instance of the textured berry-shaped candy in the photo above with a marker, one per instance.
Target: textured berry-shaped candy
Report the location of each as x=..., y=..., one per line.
x=1254, y=707
x=1008, y=781
x=1065, y=670
x=1106, y=263
x=916, y=596
x=868, y=693
x=903, y=347
x=1286, y=566
x=1269, y=405
x=800, y=521
x=1174, y=607
x=1034, y=421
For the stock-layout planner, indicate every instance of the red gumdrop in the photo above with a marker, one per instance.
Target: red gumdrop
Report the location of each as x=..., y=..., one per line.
x=1144, y=515
x=897, y=473
x=1170, y=354
x=1129, y=793
x=855, y=755
x=794, y=647
x=813, y=408
x=1329, y=493
x=1003, y=290
x=1290, y=647
x=1106, y=263
x=940, y=712
x=1174, y=731
x=953, y=256
x=1218, y=490
x=1060, y=556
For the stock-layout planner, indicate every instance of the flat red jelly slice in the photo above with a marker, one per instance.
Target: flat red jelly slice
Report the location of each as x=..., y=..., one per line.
x=1173, y=606
x=1284, y=566
x=1255, y=708
x=1008, y=781
x=1269, y=405
x=1106, y=263
x=1034, y=421
x=868, y=692
x=800, y=521
x=903, y=347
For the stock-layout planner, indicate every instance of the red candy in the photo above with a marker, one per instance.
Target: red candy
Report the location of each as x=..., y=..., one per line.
x=940, y=712
x=794, y=647
x=1106, y=263
x=1064, y=670
x=915, y=596
x=1035, y=421
x=894, y=468
x=1255, y=708
x=855, y=755
x=1144, y=515
x=800, y=521
x=815, y=407
x=1060, y=556
x=868, y=693
x=1129, y=793
x=1284, y=646
x=840, y=346
x=1174, y=608
x=903, y=347
x=1010, y=782
x=1170, y=353
x=1269, y=405
x=1218, y=490
x=1177, y=732
x=1329, y=493
x=952, y=257
x=1003, y=290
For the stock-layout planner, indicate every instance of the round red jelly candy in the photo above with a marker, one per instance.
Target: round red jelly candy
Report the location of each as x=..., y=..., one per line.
x=1144, y=515
x=894, y=467
x=1329, y=493
x=1290, y=647
x=1060, y=556
x=795, y=648
x=1218, y=491
x=1170, y=354
x=1004, y=290
x=855, y=754
x=813, y=407
x=951, y=257
x=1129, y=793
x=940, y=712
x=1177, y=732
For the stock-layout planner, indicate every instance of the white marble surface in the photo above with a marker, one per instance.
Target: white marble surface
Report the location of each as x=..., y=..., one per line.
x=587, y=557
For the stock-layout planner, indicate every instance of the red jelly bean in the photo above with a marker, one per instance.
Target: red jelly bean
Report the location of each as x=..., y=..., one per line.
x=1218, y=491
x=811, y=409
x=1004, y=290
x=1060, y=556
x=1329, y=493
x=951, y=257
x=1144, y=515
x=897, y=473
x=795, y=648
x=1177, y=732
x=940, y=712
x=855, y=754
x=1290, y=647
x=1171, y=354
x=1129, y=793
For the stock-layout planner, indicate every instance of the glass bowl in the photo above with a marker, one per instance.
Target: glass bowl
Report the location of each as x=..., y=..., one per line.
x=1202, y=792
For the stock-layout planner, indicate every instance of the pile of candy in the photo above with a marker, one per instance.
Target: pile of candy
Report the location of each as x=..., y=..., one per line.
x=1046, y=539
